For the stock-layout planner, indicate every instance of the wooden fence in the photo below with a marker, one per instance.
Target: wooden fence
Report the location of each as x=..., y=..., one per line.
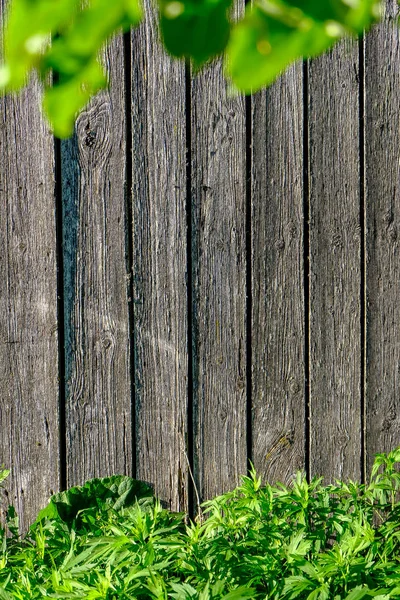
x=196, y=278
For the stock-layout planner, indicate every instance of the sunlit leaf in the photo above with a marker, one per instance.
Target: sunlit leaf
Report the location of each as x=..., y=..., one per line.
x=358, y=593
x=63, y=102
x=29, y=26
x=63, y=38
x=116, y=491
x=274, y=33
x=60, y=38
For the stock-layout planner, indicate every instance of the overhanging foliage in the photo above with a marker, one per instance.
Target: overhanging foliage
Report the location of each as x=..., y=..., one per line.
x=61, y=40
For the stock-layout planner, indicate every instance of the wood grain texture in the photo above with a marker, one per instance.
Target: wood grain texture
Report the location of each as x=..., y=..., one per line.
x=278, y=334
x=98, y=404
x=382, y=151
x=29, y=441
x=160, y=266
x=219, y=283
x=335, y=275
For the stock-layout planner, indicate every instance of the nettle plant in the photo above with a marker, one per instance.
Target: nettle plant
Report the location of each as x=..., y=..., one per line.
x=112, y=539
x=61, y=40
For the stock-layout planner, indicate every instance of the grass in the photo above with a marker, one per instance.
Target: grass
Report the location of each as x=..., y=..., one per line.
x=111, y=539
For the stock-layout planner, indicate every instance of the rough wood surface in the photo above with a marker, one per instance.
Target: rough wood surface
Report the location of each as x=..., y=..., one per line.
x=278, y=335
x=29, y=441
x=219, y=283
x=382, y=151
x=98, y=404
x=130, y=413
x=160, y=269
x=335, y=275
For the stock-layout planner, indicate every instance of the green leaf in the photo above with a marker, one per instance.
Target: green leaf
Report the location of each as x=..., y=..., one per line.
x=28, y=33
x=4, y=595
x=73, y=57
x=275, y=33
x=358, y=593
x=77, y=35
x=12, y=521
x=91, y=28
x=114, y=492
x=62, y=102
x=183, y=591
x=196, y=29
x=4, y=473
x=239, y=593
x=262, y=46
x=298, y=546
x=296, y=585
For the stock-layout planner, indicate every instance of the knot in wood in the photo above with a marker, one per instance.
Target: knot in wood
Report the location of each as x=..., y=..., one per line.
x=90, y=137
x=292, y=230
x=106, y=340
x=240, y=383
x=294, y=387
x=387, y=424
x=337, y=241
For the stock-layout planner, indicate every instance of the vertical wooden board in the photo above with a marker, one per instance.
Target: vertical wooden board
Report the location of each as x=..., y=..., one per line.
x=160, y=265
x=382, y=165
x=278, y=335
x=29, y=441
x=219, y=283
x=335, y=264
x=98, y=403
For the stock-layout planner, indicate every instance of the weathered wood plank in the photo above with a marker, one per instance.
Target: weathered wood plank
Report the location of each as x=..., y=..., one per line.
x=278, y=335
x=98, y=404
x=335, y=275
x=382, y=151
x=219, y=283
x=160, y=269
x=29, y=441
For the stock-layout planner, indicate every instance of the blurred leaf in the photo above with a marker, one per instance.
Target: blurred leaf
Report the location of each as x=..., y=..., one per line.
x=4, y=473
x=274, y=33
x=239, y=594
x=77, y=34
x=196, y=29
x=28, y=30
x=63, y=101
x=92, y=27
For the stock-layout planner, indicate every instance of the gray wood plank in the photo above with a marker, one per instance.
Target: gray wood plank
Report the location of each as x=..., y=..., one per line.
x=29, y=441
x=160, y=269
x=382, y=151
x=278, y=335
x=98, y=405
x=219, y=283
x=335, y=275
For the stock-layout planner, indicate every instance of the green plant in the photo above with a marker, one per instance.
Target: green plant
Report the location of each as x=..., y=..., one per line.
x=110, y=539
x=269, y=36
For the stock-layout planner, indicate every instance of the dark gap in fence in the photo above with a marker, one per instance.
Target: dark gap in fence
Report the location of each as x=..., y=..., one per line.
x=60, y=314
x=249, y=290
x=129, y=235
x=306, y=268
x=189, y=283
x=362, y=255
x=249, y=295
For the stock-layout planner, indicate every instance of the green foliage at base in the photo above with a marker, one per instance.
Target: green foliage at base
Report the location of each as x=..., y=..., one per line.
x=305, y=541
x=61, y=40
